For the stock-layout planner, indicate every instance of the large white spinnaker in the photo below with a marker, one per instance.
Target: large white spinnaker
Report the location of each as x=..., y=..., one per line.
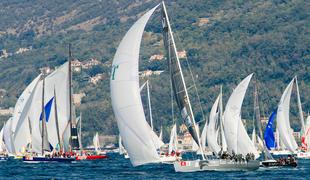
x=212, y=129
x=238, y=141
x=283, y=119
x=126, y=98
x=20, y=123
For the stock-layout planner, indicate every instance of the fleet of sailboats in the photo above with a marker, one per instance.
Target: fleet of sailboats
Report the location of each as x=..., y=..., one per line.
x=44, y=127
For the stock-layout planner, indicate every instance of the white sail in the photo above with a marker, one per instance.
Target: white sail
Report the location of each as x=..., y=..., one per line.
x=212, y=129
x=2, y=145
x=22, y=136
x=254, y=137
x=283, y=119
x=126, y=98
x=236, y=136
x=303, y=127
x=57, y=80
x=161, y=134
x=121, y=148
x=173, y=143
x=222, y=134
x=204, y=136
x=96, y=142
x=7, y=136
x=195, y=146
x=156, y=140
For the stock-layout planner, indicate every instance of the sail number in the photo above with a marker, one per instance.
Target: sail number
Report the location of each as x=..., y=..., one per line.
x=114, y=68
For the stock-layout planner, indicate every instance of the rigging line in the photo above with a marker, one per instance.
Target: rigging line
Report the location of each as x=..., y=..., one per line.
x=192, y=76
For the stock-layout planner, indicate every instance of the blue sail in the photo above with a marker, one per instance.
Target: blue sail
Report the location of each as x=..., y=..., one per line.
x=47, y=108
x=269, y=136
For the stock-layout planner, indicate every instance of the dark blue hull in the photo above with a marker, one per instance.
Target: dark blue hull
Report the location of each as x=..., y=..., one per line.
x=47, y=159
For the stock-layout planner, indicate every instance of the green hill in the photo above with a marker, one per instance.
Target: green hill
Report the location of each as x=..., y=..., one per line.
x=225, y=41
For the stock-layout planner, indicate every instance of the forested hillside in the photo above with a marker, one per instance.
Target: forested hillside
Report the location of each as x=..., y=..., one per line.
x=224, y=40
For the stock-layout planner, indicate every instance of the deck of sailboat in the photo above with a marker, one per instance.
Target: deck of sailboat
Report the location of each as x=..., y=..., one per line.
x=216, y=165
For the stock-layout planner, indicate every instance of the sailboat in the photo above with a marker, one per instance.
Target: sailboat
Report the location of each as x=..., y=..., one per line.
x=121, y=148
x=270, y=144
x=45, y=155
x=283, y=123
x=173, y=153
x=26, y=133
x=238, y=142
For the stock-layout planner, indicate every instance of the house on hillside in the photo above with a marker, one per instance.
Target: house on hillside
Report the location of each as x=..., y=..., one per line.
x=6, y=112
x=76, y=65
x=156, y=57
x=148, y=73
x=95, y=79
x=77, y=98
x=90, y=63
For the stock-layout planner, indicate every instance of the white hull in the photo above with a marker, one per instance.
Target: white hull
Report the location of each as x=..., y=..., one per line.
x=282, y=152
x=169, y=159
x=215, y=165
x=303, y=155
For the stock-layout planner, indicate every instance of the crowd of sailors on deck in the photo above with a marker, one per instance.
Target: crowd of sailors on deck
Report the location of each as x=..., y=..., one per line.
x=237, y=157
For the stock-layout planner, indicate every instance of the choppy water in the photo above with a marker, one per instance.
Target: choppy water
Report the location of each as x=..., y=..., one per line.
x=116, y=167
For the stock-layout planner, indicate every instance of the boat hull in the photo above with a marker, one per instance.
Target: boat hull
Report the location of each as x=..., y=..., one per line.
x=4, y=158
x=303, y=155
x=215, y=165
x=169, y=159
x=91, y=157
x=46, y=159
x=275, y=163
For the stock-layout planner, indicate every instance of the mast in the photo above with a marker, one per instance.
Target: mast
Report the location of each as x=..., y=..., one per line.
x=265, y=153
x=303, y=128
x=30, y=131
x=57, y=122
x=80, y=131
x=177, y=77
x=45, y=145
x=149, y=102
x=74, y=143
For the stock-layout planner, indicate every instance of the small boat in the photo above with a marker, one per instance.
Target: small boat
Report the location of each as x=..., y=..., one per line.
x=284, y=162
x=38, y=159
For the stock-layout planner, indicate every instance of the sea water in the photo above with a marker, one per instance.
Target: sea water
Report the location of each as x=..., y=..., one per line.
x=116, y=167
